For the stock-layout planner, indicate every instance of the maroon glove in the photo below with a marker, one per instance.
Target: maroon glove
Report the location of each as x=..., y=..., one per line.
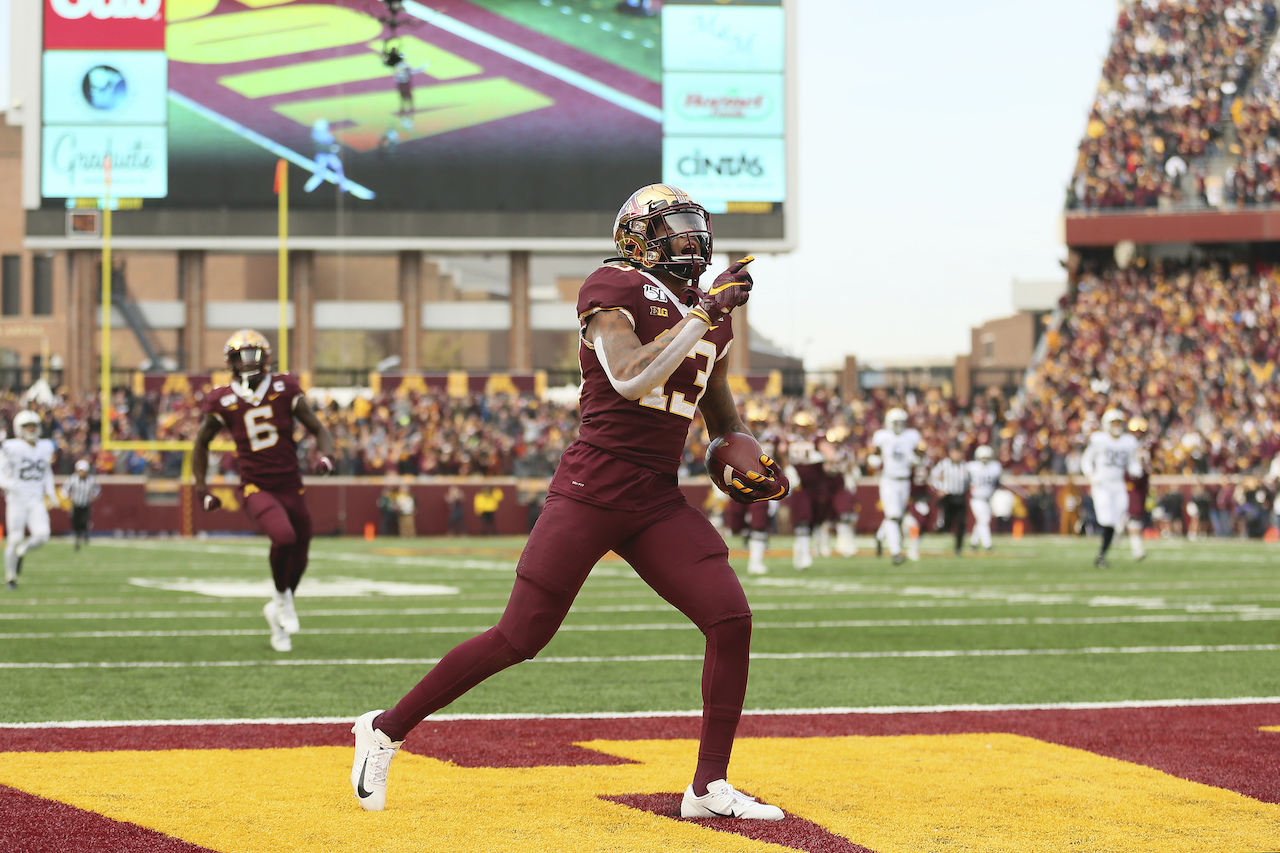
x=730, y=289
x=323, y=466
x=760, y=487
x=210, y=502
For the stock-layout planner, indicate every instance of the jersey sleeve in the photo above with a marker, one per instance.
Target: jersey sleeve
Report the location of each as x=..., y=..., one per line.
x=292, y=389
x=607, y=289
x=211, y=405
x=1086, y=458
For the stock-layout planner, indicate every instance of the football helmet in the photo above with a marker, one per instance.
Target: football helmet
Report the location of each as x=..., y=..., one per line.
x=248, y=354
x=661, y=226
x=1138, y=425
x=983, y=453
x=896, y=420
x=1113, y=421
x=26, y=424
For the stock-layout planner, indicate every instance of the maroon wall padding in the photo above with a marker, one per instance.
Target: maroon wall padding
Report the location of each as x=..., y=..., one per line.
x=342, y=506
x=1109, y=228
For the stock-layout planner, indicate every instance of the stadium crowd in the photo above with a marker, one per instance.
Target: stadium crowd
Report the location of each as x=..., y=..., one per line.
x=1255, y=177
x=1193, y=346
x=1172, y=73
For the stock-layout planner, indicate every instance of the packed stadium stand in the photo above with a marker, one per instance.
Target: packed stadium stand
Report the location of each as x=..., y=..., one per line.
x=1171, y=79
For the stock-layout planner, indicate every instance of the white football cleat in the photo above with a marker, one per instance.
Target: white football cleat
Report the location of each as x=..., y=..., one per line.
x=374, y=752
x=279, y=636
x=287, y=615
x=723, y=800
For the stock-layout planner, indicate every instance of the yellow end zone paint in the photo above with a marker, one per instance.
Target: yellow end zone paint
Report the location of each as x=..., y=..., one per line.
x=976, y=792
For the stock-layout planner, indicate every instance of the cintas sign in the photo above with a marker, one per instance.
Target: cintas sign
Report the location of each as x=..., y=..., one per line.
x=104, y=24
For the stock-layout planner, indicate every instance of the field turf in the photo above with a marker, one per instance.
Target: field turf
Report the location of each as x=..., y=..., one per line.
x=169, y=629
x=1020, y=700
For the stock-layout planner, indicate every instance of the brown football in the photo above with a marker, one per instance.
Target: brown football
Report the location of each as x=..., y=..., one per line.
x=731, y=455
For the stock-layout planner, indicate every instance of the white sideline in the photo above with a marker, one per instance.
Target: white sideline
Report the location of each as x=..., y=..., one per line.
x=643, y=715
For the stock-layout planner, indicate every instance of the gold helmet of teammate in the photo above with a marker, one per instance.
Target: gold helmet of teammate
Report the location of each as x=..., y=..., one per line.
x=248, y=354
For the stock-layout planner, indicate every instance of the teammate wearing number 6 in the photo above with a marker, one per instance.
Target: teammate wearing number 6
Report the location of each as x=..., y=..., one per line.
x=652, y=346
x=259, y=410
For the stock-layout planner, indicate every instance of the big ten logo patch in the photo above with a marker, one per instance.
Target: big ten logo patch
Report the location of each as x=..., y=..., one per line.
x=658, y=311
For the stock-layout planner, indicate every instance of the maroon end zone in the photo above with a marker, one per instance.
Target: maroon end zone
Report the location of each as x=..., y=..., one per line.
x=1219, y=745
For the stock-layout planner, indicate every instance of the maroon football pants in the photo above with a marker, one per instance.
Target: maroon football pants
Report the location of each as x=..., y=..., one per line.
x=672, y=547
x=284, y=517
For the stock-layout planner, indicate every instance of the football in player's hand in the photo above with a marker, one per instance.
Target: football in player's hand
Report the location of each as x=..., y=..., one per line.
x=731, y=456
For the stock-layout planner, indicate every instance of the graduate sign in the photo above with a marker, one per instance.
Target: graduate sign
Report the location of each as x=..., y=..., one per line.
x=104, y=95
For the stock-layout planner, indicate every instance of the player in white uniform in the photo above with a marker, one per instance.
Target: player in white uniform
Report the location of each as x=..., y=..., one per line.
x=26, y=475
x=895, y=444
x=1110, y=455
x=984, y=479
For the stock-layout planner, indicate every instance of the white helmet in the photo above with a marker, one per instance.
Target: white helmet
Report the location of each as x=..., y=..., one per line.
x=27, y=425
x=983, y=453
x=82, y=466
x=1113, y=421
x=896, y=420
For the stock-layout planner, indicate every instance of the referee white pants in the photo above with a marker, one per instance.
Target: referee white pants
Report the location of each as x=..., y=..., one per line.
x=1110, y=504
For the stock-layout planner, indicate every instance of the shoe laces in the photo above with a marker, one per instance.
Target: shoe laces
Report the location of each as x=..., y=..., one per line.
x=734, y=794
x=378, y=765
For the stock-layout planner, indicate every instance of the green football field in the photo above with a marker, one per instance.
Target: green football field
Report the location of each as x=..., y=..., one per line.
x=132, y=629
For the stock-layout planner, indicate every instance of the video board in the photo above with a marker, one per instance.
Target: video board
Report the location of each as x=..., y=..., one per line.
x=495, y=113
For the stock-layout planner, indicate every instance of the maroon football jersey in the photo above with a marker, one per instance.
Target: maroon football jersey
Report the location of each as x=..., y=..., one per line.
x=649, y=432
x=812, y=476
x=261, y=424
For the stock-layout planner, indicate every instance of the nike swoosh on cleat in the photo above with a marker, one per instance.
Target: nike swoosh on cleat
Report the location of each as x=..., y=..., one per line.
x=360, y=790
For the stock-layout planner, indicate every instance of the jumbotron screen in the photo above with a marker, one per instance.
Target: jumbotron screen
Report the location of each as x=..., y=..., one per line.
x=396, y=110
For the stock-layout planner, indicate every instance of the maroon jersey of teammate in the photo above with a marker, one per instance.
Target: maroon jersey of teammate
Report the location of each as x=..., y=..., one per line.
x=1139, y=487
x=259, y=410
x=811, y=503
x=652, y=431
x=261, y=425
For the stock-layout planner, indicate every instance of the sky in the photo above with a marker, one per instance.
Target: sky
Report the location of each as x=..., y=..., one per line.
x=936, y=140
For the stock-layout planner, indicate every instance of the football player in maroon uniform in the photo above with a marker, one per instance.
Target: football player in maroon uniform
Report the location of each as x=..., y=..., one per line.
x=259, y=410
x=652, y=346
x=810, y=503
x=1139, y=487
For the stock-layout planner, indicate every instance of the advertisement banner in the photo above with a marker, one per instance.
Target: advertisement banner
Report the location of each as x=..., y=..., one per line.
x=710, y=38
x=106, y=87
x=704, y=104
x=720, y=170
x=104, y=24
x=73, y=157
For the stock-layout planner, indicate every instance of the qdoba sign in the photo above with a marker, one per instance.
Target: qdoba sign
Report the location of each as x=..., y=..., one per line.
x=104, y=24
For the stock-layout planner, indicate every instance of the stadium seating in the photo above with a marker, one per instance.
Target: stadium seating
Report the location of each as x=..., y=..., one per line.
x=1168, y=83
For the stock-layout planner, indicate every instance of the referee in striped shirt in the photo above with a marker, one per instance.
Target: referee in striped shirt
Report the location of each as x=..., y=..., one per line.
x=81, y=489
x=950, y=479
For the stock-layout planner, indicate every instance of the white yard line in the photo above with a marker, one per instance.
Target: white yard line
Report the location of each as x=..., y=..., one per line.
x=759, y=625
x=671, y=658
